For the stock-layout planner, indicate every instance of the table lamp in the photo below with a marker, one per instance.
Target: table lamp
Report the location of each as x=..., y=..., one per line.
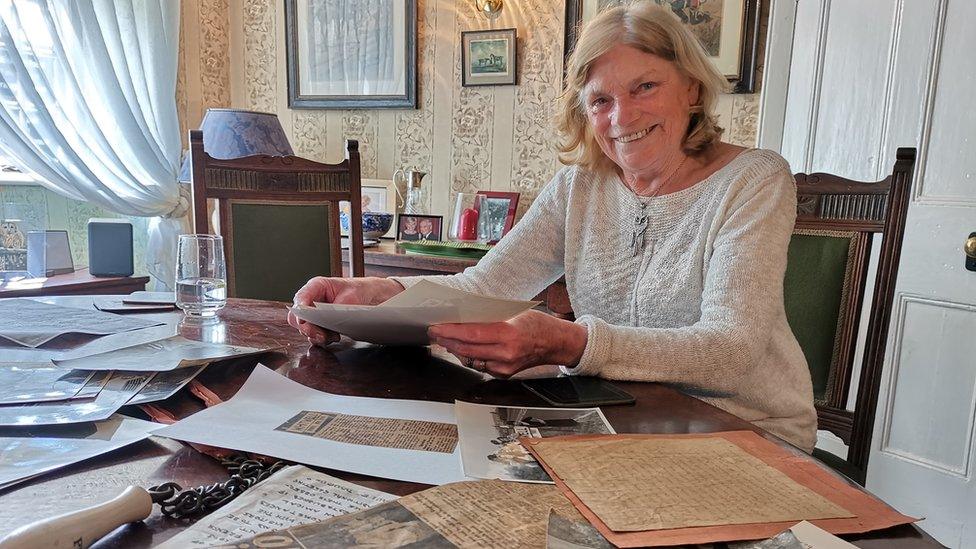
x=233, y=133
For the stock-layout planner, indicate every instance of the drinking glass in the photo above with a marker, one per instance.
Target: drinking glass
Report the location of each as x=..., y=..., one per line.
x=201, y=275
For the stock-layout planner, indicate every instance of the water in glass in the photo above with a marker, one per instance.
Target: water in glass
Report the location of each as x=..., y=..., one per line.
x=201, y=275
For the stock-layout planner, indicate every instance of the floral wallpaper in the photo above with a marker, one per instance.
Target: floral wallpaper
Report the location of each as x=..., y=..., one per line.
x=465, y=138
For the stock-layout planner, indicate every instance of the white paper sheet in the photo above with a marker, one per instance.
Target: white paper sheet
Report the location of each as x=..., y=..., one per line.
x=248, y=422
x=151, y=298
x=165, y=384
x=404, y=318
x=489, y=437
x=39, y=382
x=159, y=356
x=294, y=496
x=32, y=323
x=120, y=388
x=26, y=452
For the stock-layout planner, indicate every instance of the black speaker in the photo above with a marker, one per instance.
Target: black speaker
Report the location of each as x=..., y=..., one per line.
x=110, y=247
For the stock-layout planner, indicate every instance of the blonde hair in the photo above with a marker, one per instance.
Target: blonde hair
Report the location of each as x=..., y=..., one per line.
x=653, y=30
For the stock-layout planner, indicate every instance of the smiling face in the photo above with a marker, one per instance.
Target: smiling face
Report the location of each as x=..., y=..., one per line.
x=637, y=105
x=426, y=226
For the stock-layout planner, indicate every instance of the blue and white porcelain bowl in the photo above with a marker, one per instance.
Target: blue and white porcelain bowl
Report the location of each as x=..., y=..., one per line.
x=376, y=224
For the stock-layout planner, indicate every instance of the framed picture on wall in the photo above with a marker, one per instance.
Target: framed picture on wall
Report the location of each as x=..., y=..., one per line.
x=727, y=29
x=351, y=54
x=489, y=58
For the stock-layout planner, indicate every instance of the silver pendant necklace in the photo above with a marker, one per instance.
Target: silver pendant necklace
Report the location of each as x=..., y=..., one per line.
x=640, y=220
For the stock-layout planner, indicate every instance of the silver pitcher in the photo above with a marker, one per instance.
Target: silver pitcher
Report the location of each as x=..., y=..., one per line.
x=416, y=197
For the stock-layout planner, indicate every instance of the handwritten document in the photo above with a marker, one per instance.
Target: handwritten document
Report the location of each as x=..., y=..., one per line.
x=428, y=436
x=39, y=382
x=159, y=356
x=484, y=514
x=490, y=513
x=653, y=484
x=404, y=319
x=31, y=323
x=294, y=496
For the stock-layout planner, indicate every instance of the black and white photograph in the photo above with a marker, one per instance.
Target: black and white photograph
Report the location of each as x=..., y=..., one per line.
x=489, y=437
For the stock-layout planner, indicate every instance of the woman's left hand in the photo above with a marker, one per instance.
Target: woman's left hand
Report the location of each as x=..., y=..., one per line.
x=501, y=349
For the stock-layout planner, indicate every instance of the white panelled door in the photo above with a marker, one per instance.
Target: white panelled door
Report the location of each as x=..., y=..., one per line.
x=865, y=78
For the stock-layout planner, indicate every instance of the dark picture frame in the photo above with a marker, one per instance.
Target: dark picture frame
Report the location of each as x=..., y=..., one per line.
x=742, y=82
x=489, y=57
x=488, y=215
x=406, y=233
x=298, y=64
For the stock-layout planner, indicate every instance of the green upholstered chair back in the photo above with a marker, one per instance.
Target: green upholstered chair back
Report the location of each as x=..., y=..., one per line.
x=837, y=220
x=275, y=248
x=279, y=216
x=817, y=291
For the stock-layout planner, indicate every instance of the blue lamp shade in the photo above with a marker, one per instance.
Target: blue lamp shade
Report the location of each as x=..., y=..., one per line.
x=233, y=133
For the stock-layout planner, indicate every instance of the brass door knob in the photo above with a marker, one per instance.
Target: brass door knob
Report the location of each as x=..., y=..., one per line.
x=970, y=247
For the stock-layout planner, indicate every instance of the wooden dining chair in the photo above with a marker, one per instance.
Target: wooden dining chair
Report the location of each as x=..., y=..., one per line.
x=279, y=217
x=824, y=289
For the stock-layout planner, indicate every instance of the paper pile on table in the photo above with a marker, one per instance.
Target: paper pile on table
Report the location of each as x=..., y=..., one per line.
x=26, y=452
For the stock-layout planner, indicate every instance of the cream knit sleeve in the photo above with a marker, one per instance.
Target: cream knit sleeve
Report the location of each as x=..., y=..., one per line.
x=528, y=259
x=742, y=294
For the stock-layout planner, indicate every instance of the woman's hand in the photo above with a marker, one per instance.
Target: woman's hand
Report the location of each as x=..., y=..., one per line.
x=352, y=291
x=530, y=339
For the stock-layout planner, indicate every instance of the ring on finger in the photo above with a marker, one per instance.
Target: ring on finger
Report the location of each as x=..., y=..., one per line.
x=481, y=365
x=468, y=361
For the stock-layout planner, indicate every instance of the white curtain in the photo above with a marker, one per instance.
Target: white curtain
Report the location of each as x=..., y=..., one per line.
x=87, y=105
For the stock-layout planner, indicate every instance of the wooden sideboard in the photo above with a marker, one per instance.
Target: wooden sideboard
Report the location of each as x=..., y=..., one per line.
x=80, y=282
x=388, y=259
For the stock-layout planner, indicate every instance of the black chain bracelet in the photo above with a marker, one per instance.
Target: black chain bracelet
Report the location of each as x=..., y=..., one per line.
x=196, y=502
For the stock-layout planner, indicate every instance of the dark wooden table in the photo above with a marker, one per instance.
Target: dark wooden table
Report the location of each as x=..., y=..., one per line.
x=347, y=368
x=80, y=282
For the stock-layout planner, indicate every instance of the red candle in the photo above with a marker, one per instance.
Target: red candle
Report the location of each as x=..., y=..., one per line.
x=468, y=225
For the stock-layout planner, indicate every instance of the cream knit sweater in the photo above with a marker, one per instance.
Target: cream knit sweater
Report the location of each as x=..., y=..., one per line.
x=700, y=307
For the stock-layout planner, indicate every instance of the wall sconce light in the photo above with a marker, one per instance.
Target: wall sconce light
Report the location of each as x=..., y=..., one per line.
x=489, y=8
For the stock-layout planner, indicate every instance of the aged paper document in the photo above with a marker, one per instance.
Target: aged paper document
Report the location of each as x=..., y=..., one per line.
x=666, y=499
x=429, y=436
x=490, y=513
x=31, y=323
x=250, y=422
x=294, y=496
x=484, y=514
x=655, y=484
x=160, y=356
x=404, y=319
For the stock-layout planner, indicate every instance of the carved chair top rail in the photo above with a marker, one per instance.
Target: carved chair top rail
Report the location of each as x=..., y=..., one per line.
x=825, y=183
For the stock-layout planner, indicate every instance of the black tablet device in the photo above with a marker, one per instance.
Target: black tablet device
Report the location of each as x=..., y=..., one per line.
x=578, y=391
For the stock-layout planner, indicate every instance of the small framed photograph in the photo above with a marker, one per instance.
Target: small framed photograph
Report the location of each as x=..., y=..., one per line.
x=378, y=195
x=488, y=58
x=496, y=215
x=415, y=227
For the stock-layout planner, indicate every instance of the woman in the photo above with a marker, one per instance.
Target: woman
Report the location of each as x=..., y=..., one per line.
x=673, y=244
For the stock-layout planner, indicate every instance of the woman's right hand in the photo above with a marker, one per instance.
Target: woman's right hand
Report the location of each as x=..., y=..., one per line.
x=353, y=291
